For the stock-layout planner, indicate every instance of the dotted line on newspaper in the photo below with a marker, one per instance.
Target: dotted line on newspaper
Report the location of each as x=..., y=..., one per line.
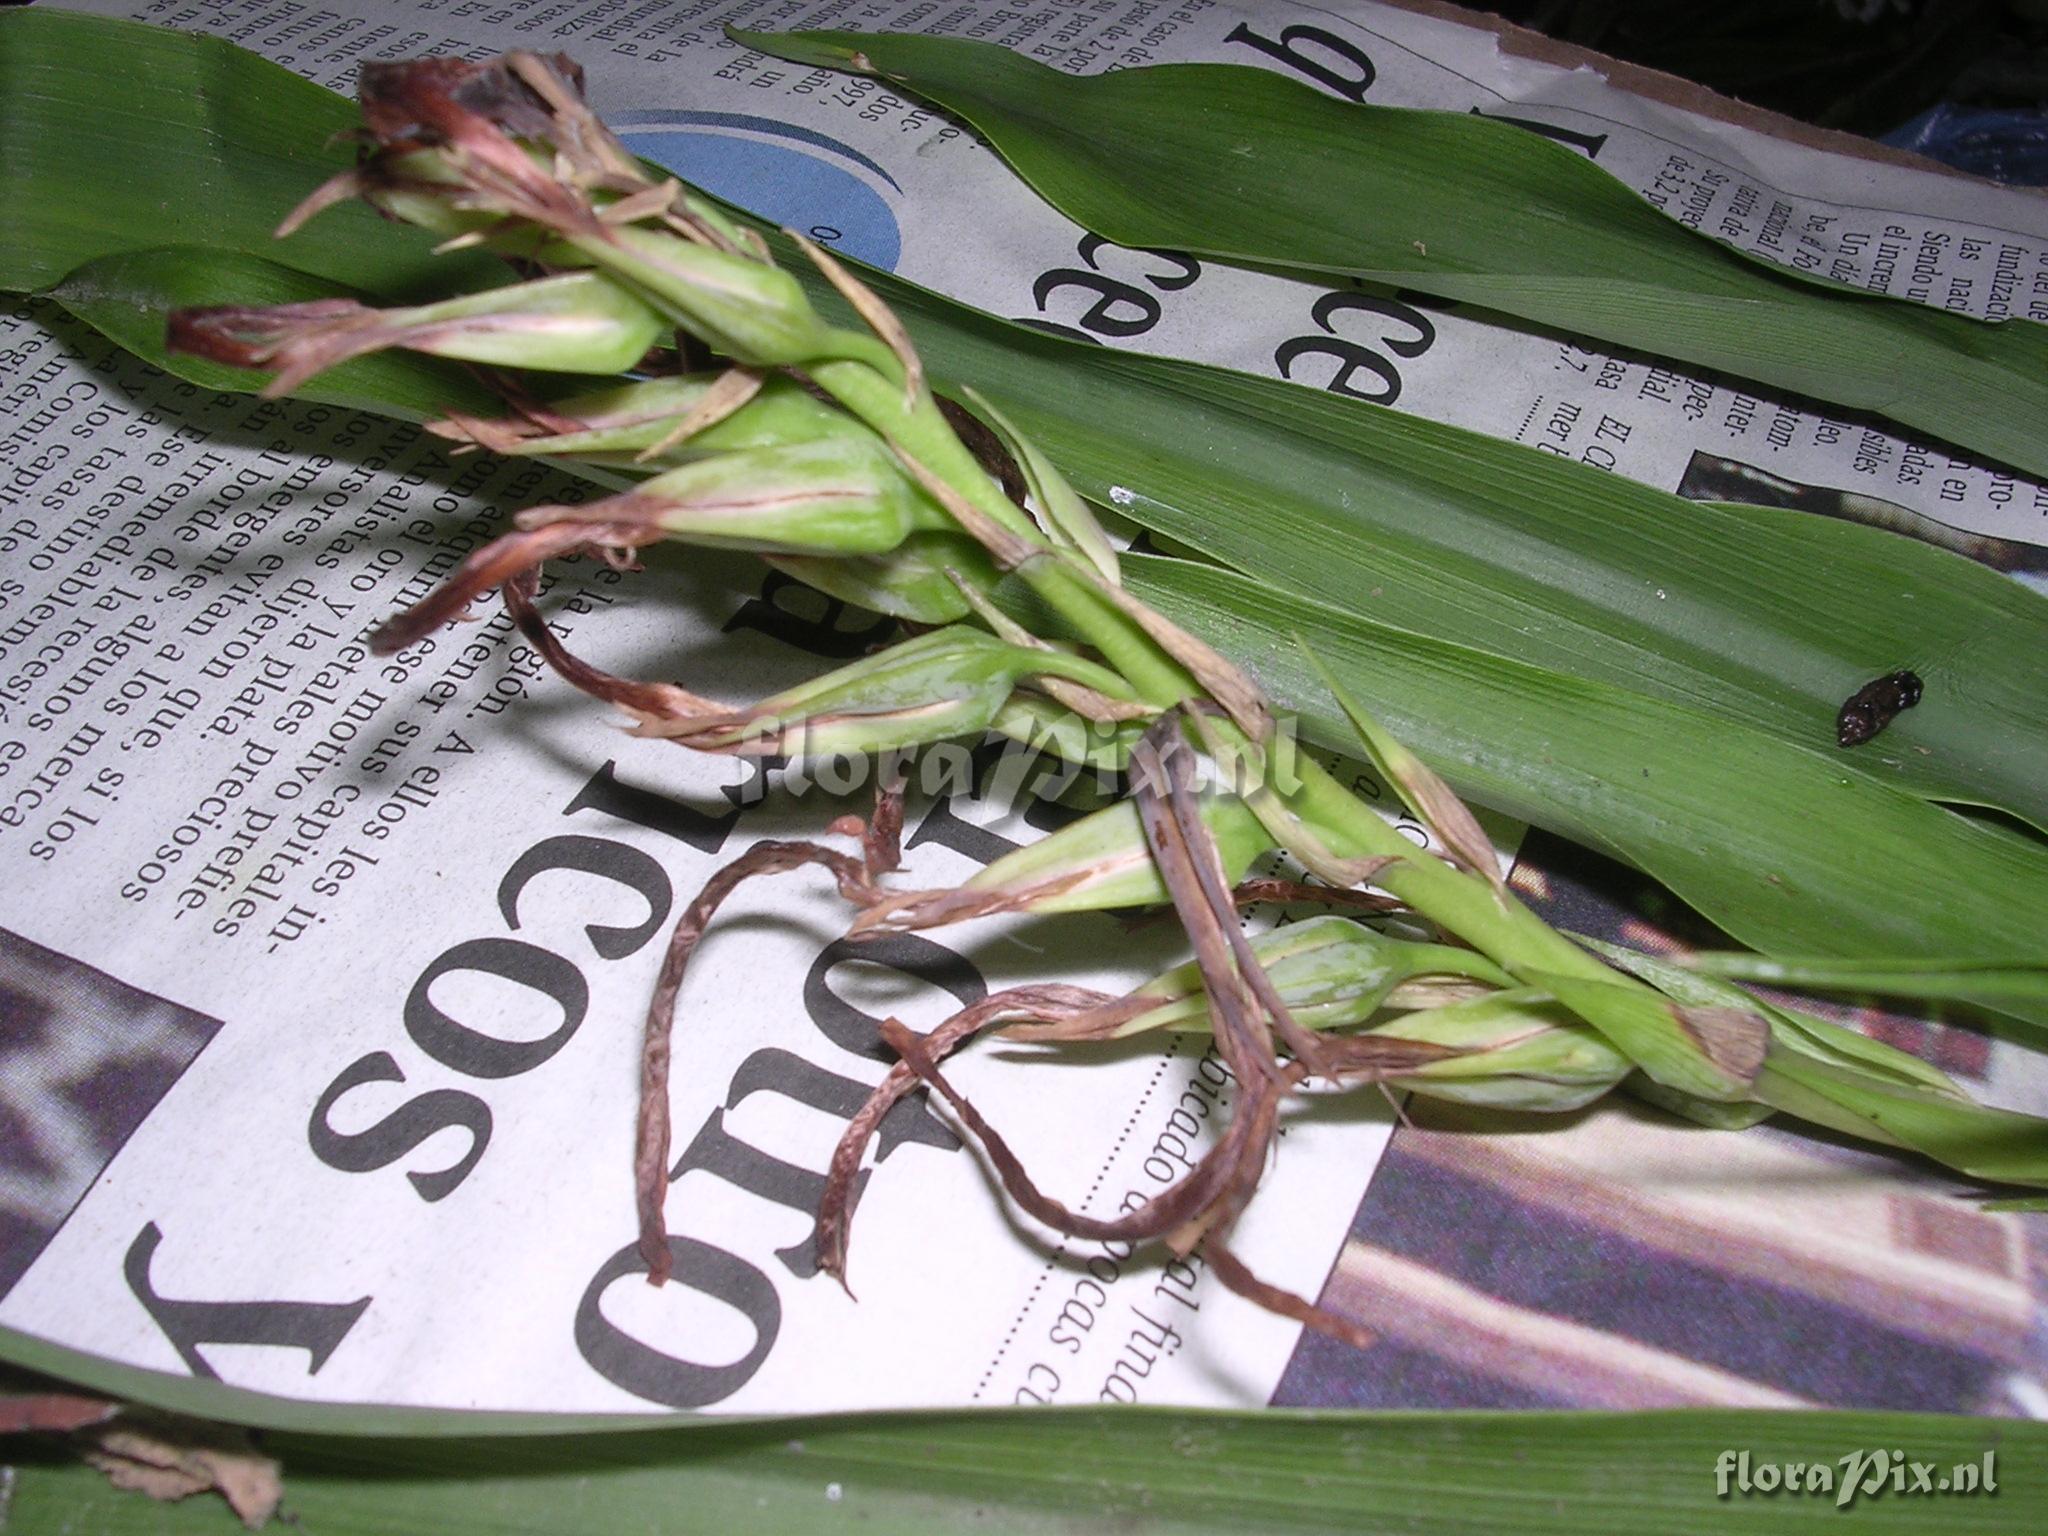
x=1060, y=1252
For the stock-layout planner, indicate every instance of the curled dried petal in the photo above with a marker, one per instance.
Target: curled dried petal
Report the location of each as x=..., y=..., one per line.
x=504, y=558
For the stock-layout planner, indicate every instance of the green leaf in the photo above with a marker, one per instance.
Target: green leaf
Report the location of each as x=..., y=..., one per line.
x=1936, y=977
x=1749, y=830
x=1983, y=1142
x=127, y=297
x=1748, y=625
x=1244, y=164
x=1033, y=1472
x=120, y=137
x=1751, y=614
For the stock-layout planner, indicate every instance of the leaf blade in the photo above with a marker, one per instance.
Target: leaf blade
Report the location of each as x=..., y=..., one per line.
x=202, y=143
x=1029, y=1472
x=1490, y=726
x=1248, y=165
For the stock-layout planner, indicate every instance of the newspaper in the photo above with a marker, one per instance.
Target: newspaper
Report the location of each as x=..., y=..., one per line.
x=322, y=973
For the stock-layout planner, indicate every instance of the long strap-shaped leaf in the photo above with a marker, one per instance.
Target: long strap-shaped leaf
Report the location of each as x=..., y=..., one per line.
x=1157, y=1471
x=1809, y=857
x=121, y=136
x=1243, y=164
x=1752, y=614
x=1432, y=530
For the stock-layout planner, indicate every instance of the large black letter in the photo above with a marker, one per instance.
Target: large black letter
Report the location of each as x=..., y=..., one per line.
x=912, y=954
x=646, y=1372
x=716, y=1151
x=471, y=1051
x=1287, y=50
x=773, y=614
x=617, y=862
x=317, y=1327
x=400, y=1131
x=1587, y=144
x=643, y=808
x=1139, y=312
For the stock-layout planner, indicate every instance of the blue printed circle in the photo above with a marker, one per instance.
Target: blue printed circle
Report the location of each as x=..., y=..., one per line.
x=789, y=175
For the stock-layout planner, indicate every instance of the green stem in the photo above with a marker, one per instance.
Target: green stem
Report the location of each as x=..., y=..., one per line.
x=1633, y=1016
x=1056, y=576
x=1495, y=923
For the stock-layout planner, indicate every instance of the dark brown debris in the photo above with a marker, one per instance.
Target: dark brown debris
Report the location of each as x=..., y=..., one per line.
x=1875, y=705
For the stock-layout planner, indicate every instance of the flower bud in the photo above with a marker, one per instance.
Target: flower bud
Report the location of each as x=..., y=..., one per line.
x=616, y=427
x=947, y=683
x=831, y=496
x=1101, y=861
x=1050, y=726
x=915, y=581
x=577, y=323
x=1330, y=971
x=1515, y=1050
x=752, y=312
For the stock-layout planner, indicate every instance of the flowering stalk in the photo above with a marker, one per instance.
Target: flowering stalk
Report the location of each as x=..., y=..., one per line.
x=823, y=448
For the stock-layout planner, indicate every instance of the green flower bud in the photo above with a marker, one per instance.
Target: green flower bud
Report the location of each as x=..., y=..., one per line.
x=947, y=683
x=913, y=581
x=832, y=496
x=1330, y=971
x=1518, y=1050
x=752, y=312
x=1045, y=723
x=578, y=323
x=1102, y=860
x=616, y=427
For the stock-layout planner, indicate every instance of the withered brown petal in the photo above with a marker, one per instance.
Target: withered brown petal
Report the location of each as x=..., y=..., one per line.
x=651, y=1142
x=836, y=1208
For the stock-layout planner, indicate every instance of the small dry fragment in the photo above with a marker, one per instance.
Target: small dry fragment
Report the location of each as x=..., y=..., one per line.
x=57, y=1412
x=170, y=1458
x=1735, y=1040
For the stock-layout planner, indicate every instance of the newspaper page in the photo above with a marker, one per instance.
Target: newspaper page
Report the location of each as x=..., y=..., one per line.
x=323, y=973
